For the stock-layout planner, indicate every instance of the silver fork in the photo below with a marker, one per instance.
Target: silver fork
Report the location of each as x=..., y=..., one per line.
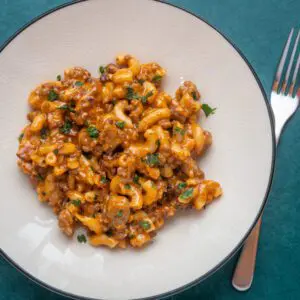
x=284, y=102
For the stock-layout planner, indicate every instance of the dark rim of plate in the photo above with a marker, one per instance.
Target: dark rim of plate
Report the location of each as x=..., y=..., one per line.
x=227, y=258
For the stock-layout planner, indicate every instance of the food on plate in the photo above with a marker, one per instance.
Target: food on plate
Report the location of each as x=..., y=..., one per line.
x=116, y=154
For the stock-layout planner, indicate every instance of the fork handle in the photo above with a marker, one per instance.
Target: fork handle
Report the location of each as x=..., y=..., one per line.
x=244, y=271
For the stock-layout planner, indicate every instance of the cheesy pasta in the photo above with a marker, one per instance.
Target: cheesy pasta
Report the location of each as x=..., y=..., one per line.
x=116, y=154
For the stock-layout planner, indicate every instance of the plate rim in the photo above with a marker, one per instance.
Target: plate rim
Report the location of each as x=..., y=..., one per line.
x=240, y=244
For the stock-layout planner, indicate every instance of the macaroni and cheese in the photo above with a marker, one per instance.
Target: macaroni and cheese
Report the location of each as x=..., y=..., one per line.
x=116, y=154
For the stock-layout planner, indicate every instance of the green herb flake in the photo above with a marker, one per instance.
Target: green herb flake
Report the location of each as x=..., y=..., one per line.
x=194, y=95
x=136, y=179
x=44, y=133
x=39, y=177
x=208, y=110
x=101, y=69
x=55, y=151
x=179, y=130
x=21, y=137
x=66, y=107
x=78, y=83
x=141, y=81
x=157, y=79
x=66, y=128
x=181, y=185
x=152, y=160
x=52, y=96
x=120, y=124
x=104, y=179
x=144, y=99
x=131, y=94
x=187, y=193
x=81, y=238
x=157, y=143
x=127, y=186
x=58, y=77
x=119, y=213
x=63, y=107
x=76, y=202
x=93, y=132
x=145, y=224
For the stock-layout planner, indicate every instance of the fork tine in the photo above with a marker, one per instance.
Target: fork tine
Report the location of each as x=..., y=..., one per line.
x=294, y=80
x=288, y=72
x=282, y=62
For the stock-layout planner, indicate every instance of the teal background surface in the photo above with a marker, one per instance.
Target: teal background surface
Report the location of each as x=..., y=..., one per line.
x=259, y=29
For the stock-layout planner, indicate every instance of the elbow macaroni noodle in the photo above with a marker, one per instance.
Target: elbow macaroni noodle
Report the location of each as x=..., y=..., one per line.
x=116, y=154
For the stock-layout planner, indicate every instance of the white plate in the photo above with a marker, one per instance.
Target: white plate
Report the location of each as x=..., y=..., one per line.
x=190, y=247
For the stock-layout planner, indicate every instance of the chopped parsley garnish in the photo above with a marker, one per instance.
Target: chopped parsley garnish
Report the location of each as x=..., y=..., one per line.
x=76, y=202
x=81, y=238
x=179, y=130
x=131, y=94
x=157, y=78
x=58, y=77
x=21, y=137
x=66, y=107
x=93, y=132
x=39, y=177
x=127, y=186
x=158, y=143
x=104, y=179
x=79, y=83
x=152, y=160
x=63, y=107
x=44, y=133
x=120, y=124
x=182, y=185
x=136, y=179
x=208, y=110
x=141, y=81
x=187, y=193
x=101, y=69
x=52, y=96
x=145, y=224
x=66, y=128
x=145, y=98
x=119, y=213
x=55, y=151
x=194, y=95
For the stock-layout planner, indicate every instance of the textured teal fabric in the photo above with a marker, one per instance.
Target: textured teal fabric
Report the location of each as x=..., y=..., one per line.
x=259, y=28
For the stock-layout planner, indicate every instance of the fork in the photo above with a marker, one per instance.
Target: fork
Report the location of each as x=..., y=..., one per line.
x=284, y=102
